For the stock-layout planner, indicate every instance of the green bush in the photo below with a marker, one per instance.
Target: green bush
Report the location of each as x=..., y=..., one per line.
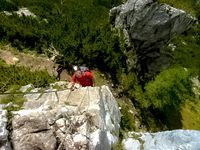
x=79, y=30
x=13, y=75
x=170, y=87
x=127, y=122
x=190, y=112
x=187, y=48
x=7, y=6
x=15, y=99
x=165, y=95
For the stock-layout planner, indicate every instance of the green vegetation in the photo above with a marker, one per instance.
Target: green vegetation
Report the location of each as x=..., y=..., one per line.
x=80, y=31
x=170, y=87
x=12, y=77
x=187, y=48
x=100, y=79
x=169, y=96
x=190, y=6
x=7, y=6
x=118, y=146
x=162, y=99
x=190, y=112
x=167, y=92
x=127, y=120
x=168, y=101
x=14, y=99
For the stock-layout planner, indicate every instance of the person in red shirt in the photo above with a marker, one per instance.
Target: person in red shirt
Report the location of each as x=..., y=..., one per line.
x=83, y=78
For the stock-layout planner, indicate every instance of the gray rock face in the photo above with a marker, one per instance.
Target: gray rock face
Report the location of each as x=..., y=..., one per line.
x=86, y=118
x=168, y=140
x=146, y=25
x=4, y=144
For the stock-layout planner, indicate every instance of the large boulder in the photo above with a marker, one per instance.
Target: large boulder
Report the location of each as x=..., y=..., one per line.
x=169, y=140
x=86, y=118
x=146, y=25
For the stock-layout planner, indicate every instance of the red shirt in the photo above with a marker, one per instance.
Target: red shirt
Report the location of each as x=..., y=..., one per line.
x=85, y=80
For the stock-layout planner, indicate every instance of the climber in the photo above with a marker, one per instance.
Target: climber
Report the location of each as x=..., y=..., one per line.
x=84, y=78
x=84, y=68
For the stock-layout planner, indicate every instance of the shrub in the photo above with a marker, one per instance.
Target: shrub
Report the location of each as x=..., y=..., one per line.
x=170, y=87
x=15, y=99
x=7, y=6
x=127, y=121
x=13, y=75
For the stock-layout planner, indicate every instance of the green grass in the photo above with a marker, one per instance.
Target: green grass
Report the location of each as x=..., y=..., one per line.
x=57, y=87
x=170, y=87
x=15, y=99
x=190, y=112
x=165, y=94
x=187, y=51
x=19, y=76
x=127, y=119
x=118, y=146
x=100, y=78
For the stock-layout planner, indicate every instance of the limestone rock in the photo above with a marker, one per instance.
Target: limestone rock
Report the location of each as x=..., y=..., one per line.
x=172, y=140
x=196, y=86
x=131, y=144
x=147, y=22
x=86, y=118
x=26, y=87
x=25, y=12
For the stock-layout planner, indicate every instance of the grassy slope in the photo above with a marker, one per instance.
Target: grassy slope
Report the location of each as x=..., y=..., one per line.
x=14, y=76
x=190, y=112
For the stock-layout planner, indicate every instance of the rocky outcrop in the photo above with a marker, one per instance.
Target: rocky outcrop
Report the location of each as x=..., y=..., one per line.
x=25, y=12
x=172, y=140
x=86, y=118
x=4, y=144
x=146, y=25
x=21, y=12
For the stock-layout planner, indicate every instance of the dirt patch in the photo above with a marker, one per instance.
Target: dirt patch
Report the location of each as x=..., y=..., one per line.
x=31, y=61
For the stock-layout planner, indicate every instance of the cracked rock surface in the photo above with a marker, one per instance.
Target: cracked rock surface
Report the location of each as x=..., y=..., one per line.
x=86, y=118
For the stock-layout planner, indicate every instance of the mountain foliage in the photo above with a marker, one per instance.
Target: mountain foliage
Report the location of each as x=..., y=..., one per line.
x=13, y=77
x=80, y=31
